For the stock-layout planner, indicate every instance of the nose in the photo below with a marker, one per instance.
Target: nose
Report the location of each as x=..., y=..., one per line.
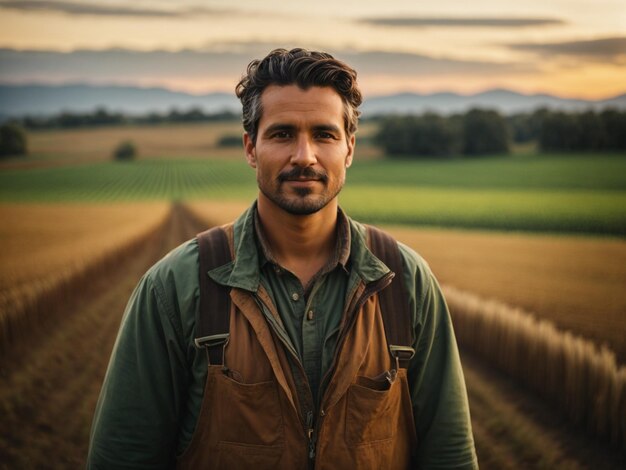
x=303, y=152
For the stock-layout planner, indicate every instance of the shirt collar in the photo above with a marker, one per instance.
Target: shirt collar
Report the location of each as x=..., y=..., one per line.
x=244, y=271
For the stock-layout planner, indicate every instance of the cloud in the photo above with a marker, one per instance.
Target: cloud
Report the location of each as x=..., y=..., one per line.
x=599, y=49
x=379, y=62
x=223, y=65
x=420, y=22
x=100, y=9
x=112, y=64
x=398, y=63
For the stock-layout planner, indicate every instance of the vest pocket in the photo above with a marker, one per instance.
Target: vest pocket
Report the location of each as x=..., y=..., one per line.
x=248, y=416
x=373, y=406
x=240, y=425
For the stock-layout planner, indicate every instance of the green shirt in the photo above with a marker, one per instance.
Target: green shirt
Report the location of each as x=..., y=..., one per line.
x=310, y=314
x=153, y=389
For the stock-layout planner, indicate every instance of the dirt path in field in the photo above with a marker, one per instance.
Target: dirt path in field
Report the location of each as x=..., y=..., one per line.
x=49, y=387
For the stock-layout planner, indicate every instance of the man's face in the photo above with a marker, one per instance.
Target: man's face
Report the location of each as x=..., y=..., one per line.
x=301, y=151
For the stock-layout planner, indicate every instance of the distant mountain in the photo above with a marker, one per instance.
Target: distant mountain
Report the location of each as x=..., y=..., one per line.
x=19, y=100
x=505, y=101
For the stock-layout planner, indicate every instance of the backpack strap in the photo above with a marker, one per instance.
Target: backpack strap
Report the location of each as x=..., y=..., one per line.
x=393, y=300
x=213, y=317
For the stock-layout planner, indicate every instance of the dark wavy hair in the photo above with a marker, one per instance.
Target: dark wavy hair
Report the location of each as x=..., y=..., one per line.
x=305, y=69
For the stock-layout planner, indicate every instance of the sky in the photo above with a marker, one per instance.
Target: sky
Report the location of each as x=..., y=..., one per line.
x=569, y=48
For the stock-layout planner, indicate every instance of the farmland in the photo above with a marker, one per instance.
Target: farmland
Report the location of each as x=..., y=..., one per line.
x=554, y=194
x=48, y=251
x=84, y=210
x=545, y=193
x=53, y=237
x=171, y=141
x=51, y=378
x=575, y=282
x=129, y=181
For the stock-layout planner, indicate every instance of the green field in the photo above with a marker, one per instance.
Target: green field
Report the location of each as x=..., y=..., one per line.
x=527, y=171
x=130, y=181
x=535, y=210
x=554, y=193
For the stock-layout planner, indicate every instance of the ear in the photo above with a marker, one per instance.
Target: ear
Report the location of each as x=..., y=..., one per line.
x=351, y=145
x=250, y=149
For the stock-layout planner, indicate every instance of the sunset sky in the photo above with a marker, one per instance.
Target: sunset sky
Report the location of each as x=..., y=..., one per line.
x=571, y=48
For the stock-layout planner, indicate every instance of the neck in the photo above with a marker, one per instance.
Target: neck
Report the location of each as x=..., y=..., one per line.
x=301, y=243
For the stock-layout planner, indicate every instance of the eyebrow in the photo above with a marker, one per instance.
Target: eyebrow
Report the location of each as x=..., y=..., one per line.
x=327, y=127
x=290, y=127
x=279, y=127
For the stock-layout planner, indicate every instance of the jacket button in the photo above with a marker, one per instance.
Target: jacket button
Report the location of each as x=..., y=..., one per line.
x=309, y=315
x=295, y=296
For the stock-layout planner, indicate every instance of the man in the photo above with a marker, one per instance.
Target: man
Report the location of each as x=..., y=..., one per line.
x=306, y=378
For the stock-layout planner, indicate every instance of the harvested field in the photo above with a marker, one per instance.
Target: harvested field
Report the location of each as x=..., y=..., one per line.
x=51, y=252
x=49, y=384
x=513, y=430
x=171, y=141
x=579, y=380
x=217, y=213
x=575, y=282
x=41, y=240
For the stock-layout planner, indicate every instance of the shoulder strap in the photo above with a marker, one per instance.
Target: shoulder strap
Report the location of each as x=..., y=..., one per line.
x=394, y=301
x=213, y=317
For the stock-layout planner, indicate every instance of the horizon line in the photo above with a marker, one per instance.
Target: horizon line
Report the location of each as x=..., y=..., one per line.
x=373, y=95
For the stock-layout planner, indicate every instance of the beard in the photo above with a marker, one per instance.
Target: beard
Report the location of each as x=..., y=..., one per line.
x=304, y=201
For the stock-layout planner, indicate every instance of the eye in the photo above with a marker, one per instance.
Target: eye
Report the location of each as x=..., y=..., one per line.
x=281, y=135
x=324, y=135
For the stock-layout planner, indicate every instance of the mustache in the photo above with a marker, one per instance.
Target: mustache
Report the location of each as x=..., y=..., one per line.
x=298, y=173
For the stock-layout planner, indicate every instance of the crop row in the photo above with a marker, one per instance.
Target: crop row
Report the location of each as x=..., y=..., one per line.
x=42, y=270
x=149, y=180
x=584, y=382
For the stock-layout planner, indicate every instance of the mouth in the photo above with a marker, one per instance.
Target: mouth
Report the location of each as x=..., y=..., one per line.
x=304, y=177
x=303, y=181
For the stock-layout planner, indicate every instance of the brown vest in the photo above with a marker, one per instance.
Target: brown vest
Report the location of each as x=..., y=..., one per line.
x=254, y=411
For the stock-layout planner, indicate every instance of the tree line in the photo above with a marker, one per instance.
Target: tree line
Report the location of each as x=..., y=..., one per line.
x=476, y=132
x=484, y=132
x=104, y=117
